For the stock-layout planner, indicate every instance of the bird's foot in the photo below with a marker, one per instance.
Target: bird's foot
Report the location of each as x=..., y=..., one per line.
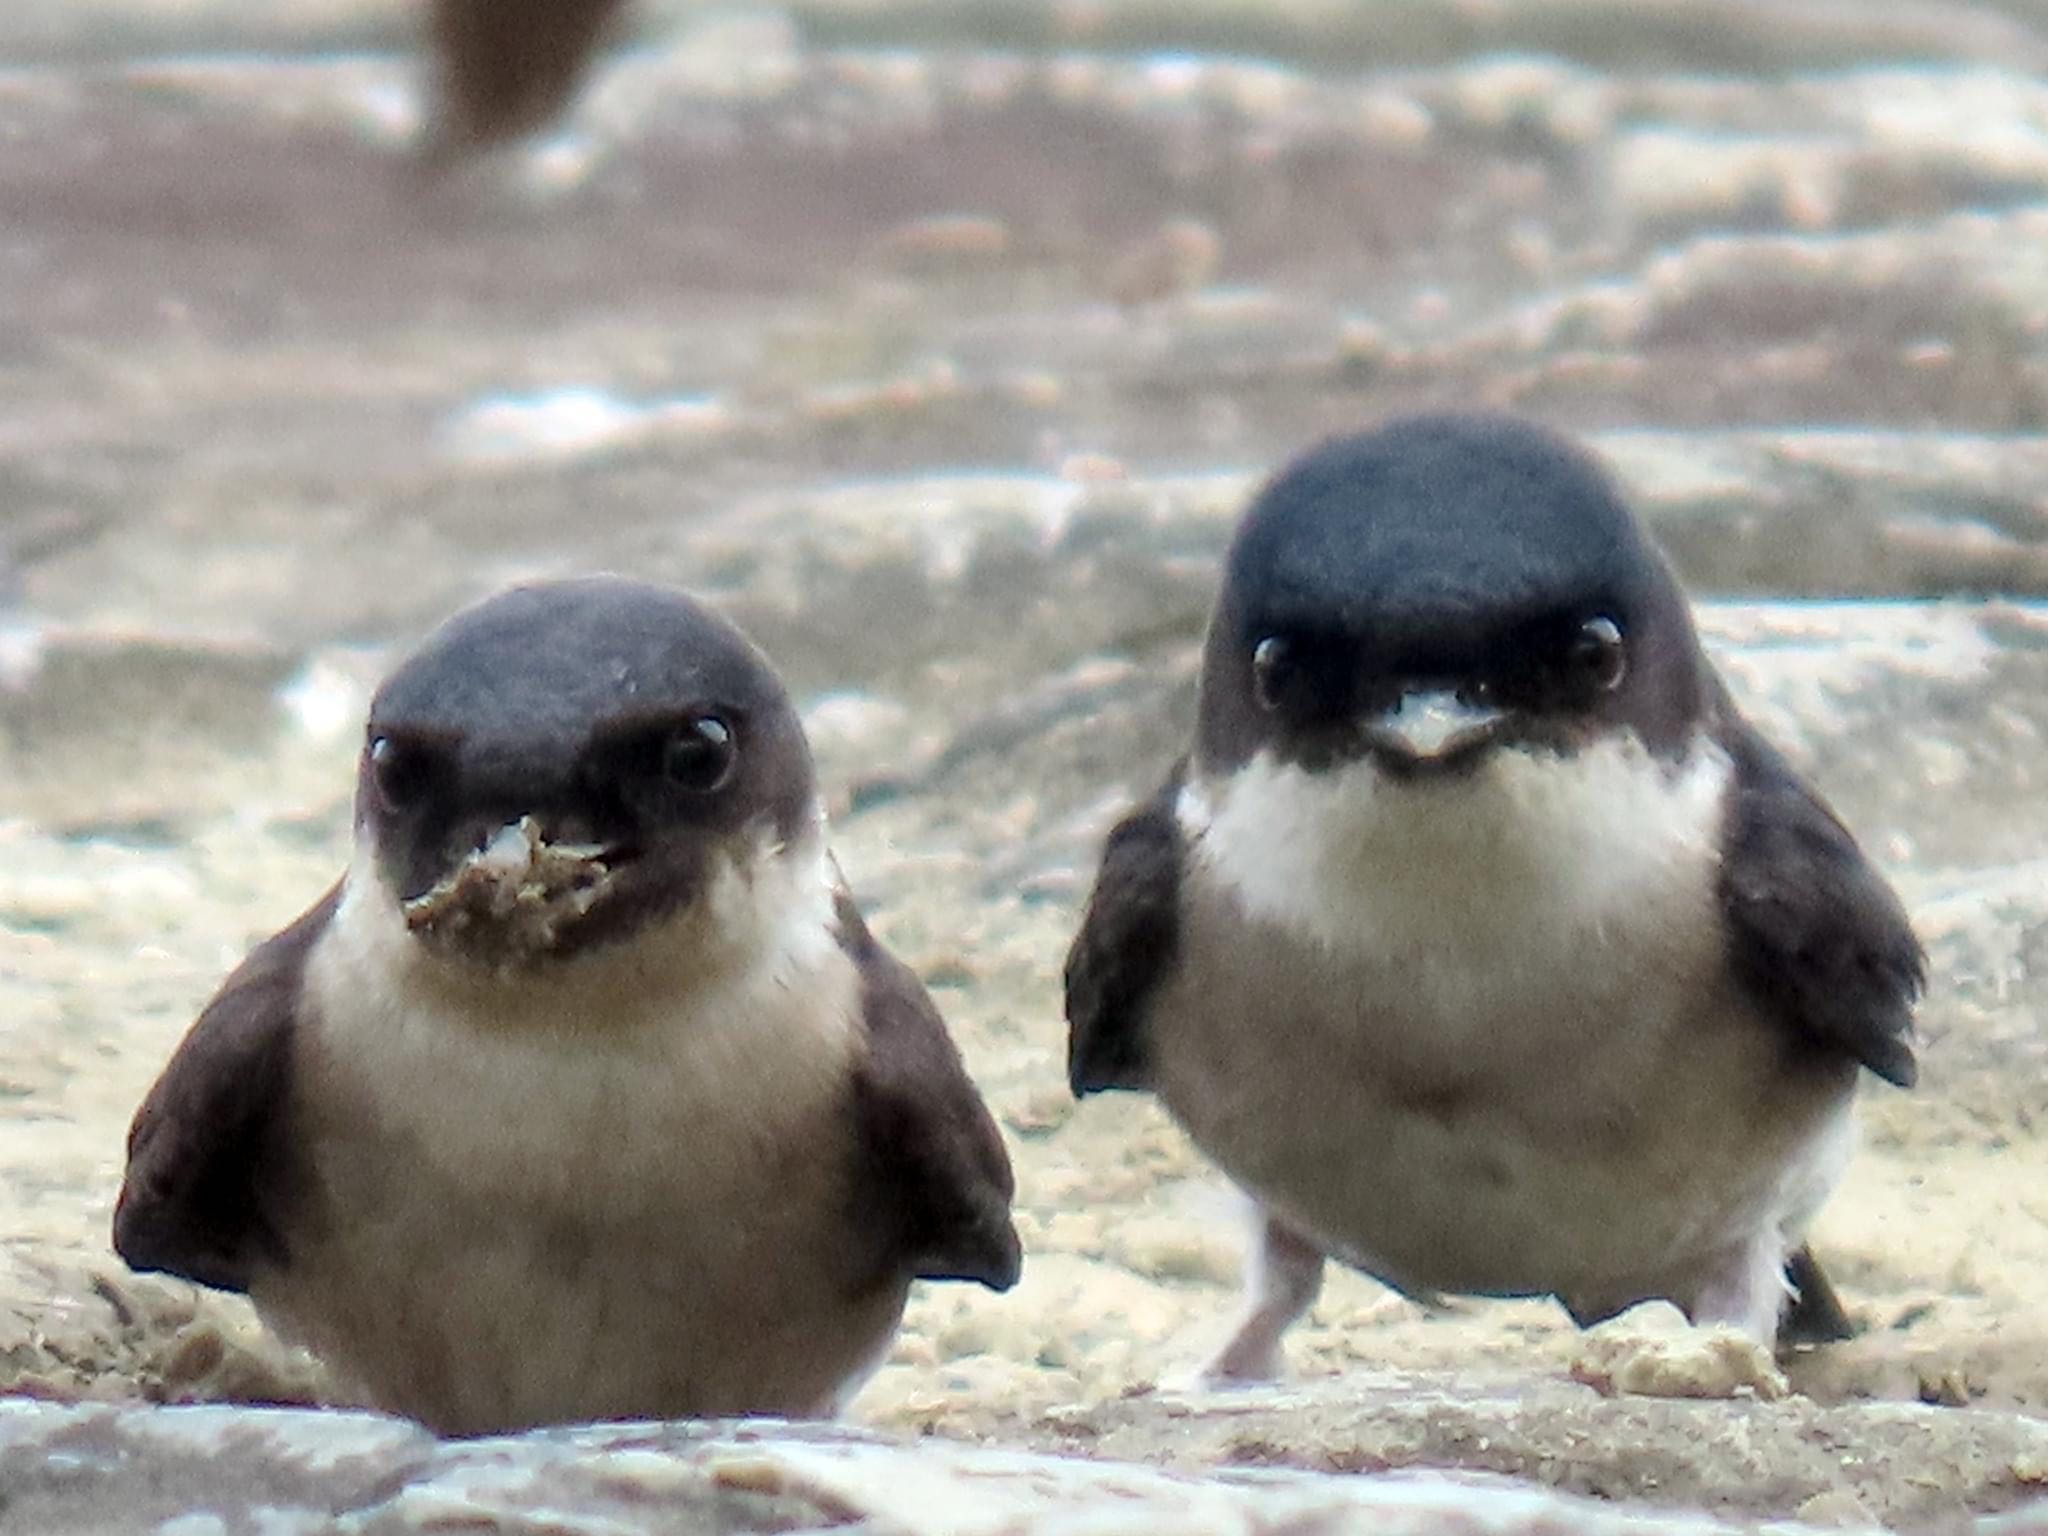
x=1746, y=1290
x=1283, y=1276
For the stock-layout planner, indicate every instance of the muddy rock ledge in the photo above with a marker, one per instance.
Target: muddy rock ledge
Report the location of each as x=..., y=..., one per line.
x=198, y=1471
x=222, y=1469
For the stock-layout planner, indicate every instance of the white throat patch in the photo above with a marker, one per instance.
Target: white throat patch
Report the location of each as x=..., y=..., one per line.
x=1526, y=849
x=766, y=912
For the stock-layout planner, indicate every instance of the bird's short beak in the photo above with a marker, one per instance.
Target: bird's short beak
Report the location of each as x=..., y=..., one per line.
x=1433, y=725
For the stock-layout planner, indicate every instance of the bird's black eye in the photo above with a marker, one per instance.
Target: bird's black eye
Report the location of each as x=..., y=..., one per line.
x=1597, y=654
x=403, y=771
x=1271, y=661
x=700, y=756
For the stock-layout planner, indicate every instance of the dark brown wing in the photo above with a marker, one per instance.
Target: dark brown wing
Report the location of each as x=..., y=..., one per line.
x=503, y=67
x=207, y=1165
x=1815, y=934
x=1127, y=940
x=940, y=1177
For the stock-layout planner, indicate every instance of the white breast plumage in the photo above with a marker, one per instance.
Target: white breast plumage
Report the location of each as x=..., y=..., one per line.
x=1478, y=1033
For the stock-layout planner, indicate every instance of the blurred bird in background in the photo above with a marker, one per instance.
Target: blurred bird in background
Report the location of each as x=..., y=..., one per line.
x=500, y=69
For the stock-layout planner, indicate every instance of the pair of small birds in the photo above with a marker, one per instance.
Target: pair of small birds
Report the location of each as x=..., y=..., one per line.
x=1478, y=937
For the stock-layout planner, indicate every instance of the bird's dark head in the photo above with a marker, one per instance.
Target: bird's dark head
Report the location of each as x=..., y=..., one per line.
x=567, y=763
x=1426, y=593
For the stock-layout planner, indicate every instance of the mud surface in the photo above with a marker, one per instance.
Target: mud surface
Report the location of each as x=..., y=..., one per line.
x=939, y=344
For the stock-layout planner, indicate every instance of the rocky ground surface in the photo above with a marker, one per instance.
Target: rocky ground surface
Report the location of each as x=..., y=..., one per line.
x=90, y=1470
x=940, y=343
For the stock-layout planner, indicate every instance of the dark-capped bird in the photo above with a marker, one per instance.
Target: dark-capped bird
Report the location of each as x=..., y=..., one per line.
x=585, y=1093
x=1479, y=937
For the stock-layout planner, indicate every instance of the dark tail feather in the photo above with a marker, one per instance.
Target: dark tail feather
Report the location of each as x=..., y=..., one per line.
x=1814, y=1314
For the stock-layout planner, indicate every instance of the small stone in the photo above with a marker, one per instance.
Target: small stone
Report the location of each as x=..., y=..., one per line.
x=1650, y=1351
x=1040, y=1112
x=750, y=1474
x=197, y=1354
x=913, y=1350
x=1177, y=1250
x=1944, y=1387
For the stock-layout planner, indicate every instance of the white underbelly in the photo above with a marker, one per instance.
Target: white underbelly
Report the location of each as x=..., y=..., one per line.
x=1591, y=1130
x=477, y=1316
x=1478, y=1035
